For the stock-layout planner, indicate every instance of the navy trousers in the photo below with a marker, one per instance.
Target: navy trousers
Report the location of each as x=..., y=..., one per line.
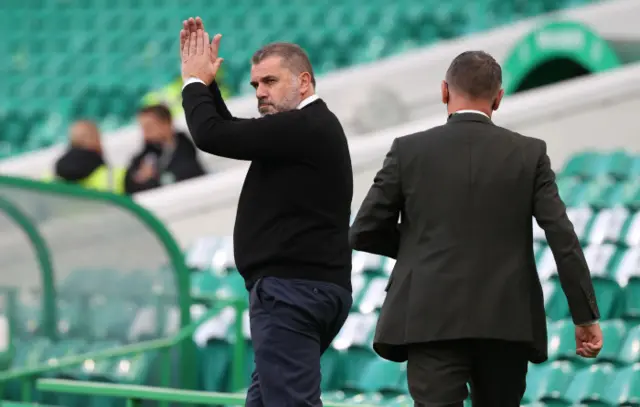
x=292, y=323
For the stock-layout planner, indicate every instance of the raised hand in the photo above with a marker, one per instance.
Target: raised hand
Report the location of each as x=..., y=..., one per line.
x=192, y=25
x=197, y=60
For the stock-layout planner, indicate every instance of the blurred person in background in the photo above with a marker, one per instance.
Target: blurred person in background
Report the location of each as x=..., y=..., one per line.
x=168, y=156
x=291, y=232
x=84, y=164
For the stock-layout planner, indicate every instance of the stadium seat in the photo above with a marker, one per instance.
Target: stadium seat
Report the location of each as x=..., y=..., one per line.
x=630, y=349
x=562, y=344
x=614, y=331
x=590, y=383
x=548, y=382
x=609, y=296
x=355, y=339
x=624, y=387
x=579, y=165
x=383, y=376
x=632, y=299
x=556, y=305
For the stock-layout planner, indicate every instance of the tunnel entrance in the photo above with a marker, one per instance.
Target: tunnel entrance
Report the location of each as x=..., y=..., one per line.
x=550, y=72
x=555, y=52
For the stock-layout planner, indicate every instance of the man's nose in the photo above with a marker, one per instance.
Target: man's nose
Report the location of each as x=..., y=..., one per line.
x=261, y=92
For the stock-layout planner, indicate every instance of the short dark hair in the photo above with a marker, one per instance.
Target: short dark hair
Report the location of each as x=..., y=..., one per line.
x=160, y=111
x=293, y=56
x=476, y=74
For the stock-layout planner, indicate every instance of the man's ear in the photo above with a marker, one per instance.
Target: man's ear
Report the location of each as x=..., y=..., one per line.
x=444, y=88
x=305, y=81
x=498, y=100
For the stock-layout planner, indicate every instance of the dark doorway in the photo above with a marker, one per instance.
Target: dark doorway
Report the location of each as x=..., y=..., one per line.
x=552, y=71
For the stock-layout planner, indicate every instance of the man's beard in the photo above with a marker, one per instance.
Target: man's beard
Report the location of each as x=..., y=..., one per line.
x=289, y=102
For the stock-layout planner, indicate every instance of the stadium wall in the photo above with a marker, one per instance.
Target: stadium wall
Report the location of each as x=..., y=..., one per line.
x=594, y=112
x=382, y=94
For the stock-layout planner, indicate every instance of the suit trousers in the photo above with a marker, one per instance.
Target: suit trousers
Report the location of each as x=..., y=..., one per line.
x=438, y=372
x=292, y=323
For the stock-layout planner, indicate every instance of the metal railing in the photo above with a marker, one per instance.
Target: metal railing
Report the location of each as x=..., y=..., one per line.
x=135, y=395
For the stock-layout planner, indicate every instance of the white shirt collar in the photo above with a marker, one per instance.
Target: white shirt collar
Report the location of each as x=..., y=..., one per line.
x=307, y=101
x=472, y=111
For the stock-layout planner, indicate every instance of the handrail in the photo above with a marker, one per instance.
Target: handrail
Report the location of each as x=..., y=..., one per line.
x=127, y=350
x=135, y=394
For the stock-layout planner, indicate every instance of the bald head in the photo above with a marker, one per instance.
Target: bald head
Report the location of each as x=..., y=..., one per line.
x=85, y=134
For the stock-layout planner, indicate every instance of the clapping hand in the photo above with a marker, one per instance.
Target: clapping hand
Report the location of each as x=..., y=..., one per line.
x=199, y=58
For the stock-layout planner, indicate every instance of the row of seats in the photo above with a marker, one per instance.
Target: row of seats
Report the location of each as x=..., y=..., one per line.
x=55, y=52
x=601, y=192
x=618, y=164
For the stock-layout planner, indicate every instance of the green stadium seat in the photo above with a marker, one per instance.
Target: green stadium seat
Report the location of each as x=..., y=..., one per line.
x=215, y=349
x=634, y=170
x=232, y=286
x=590, y=383
x=355, y=338
x=203, y=283
x=216, y=358
x=625, y=193
x=610, y=298
x=632, y=299
x=624, y=387
x=548, y=382
x=133, y=370
x=614, y=331
x=568, y=187
x=331, y=368
x=383, y=376
x=616, y=164
x=596, y=192
x=556, y=305
x=562, y=344
x=630, y=350
x=579, y=165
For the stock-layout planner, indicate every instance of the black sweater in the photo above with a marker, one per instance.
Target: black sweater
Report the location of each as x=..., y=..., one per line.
x=294, y=208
